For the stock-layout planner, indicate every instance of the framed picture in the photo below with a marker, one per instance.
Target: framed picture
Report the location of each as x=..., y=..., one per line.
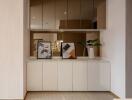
x=44, y=50
x=68, y=50
x=35, y=47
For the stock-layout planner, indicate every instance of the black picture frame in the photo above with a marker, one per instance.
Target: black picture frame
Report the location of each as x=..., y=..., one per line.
x=44, y=50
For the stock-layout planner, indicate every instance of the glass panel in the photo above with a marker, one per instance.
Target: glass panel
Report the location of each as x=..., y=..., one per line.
x=74, y=14
x=56, y=39
x=49, y=14
x=68, y=14
x=61, y=14
x=36, y=14
x=87, y=14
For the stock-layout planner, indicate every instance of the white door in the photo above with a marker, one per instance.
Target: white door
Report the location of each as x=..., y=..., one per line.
x=34, y=76
x=50, y=75
x=65, y=75
x=80, y=76
x=98, y=76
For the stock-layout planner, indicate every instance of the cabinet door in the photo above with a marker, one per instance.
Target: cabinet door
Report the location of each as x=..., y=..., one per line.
x=98, y=76
x=34, y=76
x=65, y=76
x=87, y=14
x=49, y=14
x=80, y=76
x=50, y=76
x=74, y=14
x=36, y=14
x=61, y=14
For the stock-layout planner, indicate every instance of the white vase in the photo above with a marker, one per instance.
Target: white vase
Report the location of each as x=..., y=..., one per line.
x=90, y=52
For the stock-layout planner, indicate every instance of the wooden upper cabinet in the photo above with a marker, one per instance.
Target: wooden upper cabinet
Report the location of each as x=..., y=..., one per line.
x=101, y=14
x=68, y=14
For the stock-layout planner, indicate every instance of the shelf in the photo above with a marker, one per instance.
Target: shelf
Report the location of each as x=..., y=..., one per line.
x=65, y=30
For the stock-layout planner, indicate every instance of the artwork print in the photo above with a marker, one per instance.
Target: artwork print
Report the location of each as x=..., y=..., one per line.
x=68, y=51
x=44, y=50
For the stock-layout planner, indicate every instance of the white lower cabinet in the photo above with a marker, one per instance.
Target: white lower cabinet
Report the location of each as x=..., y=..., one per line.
x=50, y=75
x=68, y=75
x=65, y=76
x=98, y=76
x=34, y=76
x=80, y=76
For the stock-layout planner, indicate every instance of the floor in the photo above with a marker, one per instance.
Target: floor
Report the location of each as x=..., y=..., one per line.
x=69, y=96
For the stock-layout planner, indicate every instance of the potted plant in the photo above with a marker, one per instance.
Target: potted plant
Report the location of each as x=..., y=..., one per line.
x=90, y=44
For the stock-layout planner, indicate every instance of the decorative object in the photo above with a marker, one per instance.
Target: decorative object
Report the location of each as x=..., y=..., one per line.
x=90, y=47
x=44, y=50
x=68, y=51
x=90, y=52
x=35, y=46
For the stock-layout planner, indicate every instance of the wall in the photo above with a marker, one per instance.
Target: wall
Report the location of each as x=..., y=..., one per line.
x=26, y=42
x=12, y=54
x=113, y=40
x=129, y=49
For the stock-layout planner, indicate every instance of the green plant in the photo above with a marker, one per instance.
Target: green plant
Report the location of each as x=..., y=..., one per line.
x=95, y=42
x=85, y=44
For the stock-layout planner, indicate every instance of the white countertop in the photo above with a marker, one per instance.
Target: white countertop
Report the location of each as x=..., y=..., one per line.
x=77, y=59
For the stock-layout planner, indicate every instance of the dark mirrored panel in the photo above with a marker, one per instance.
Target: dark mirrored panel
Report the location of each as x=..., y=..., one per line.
x=68, y=14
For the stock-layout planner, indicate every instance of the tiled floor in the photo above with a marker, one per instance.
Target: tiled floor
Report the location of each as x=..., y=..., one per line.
x=69, y=96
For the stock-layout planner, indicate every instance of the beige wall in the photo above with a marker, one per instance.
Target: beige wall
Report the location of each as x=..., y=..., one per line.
x=26, y=42
x=113, y=40
x=12, y=65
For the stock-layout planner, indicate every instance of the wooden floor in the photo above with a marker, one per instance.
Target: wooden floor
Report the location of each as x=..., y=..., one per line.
x=69, y=96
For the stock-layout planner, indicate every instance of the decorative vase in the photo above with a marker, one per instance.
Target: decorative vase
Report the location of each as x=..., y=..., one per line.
x=91, y=52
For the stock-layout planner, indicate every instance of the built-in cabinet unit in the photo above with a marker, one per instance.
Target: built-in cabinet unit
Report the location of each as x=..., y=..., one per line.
x=68, y=75
x=68, y=14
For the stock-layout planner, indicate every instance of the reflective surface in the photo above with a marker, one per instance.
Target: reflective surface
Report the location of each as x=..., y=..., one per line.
x=70, y=96
x=56, y=39
x=68, y=14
